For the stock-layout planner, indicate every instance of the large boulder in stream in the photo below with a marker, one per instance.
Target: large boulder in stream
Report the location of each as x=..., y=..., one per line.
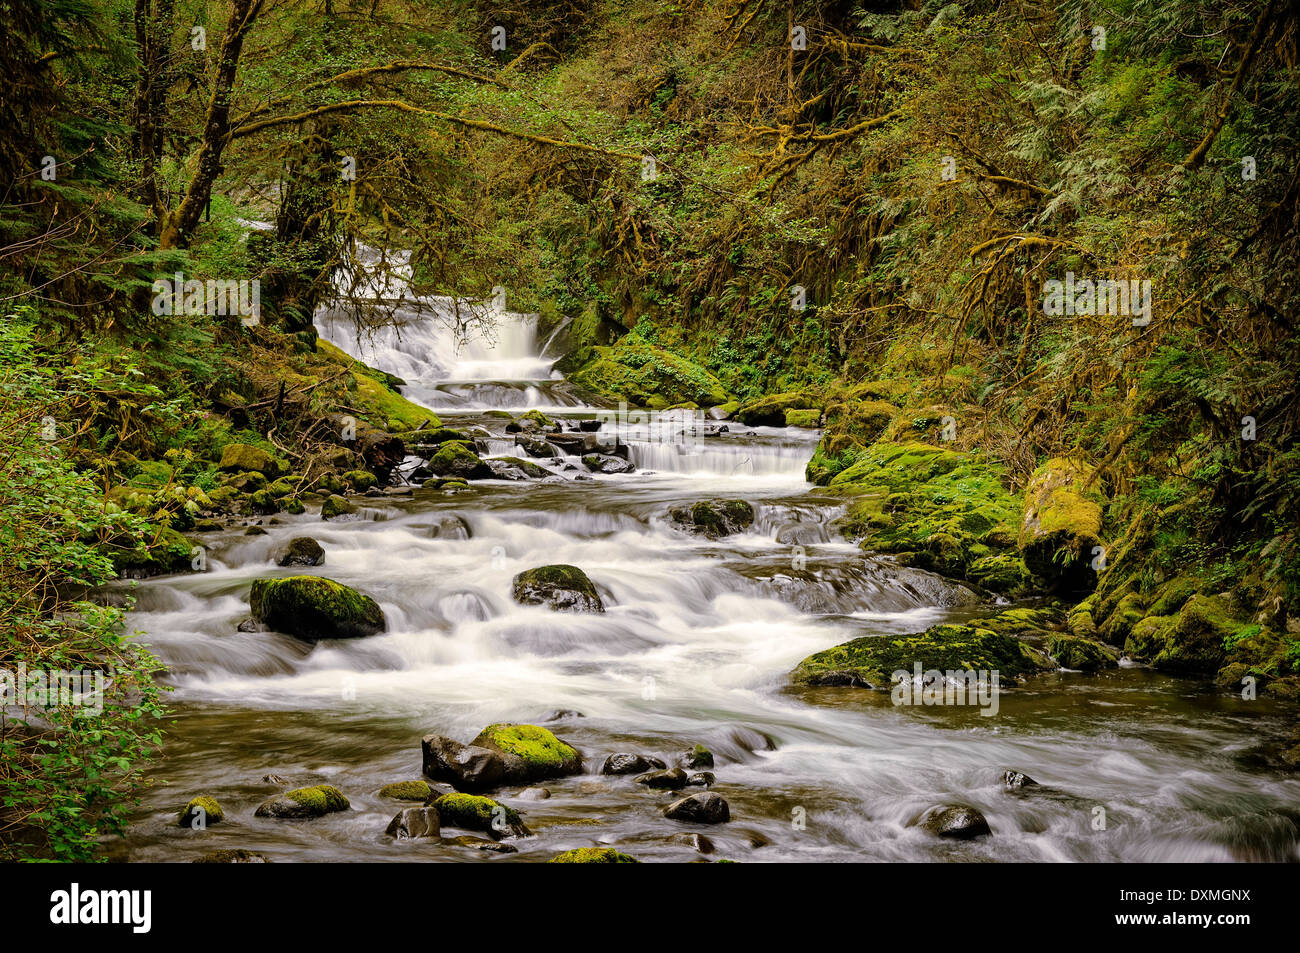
x=314, y=608
x=501, y=754
x=607, y=463
x=301, y=551
x=561, y=587
x=955, y=821
x=456, y=459
x=309, y=802
x=699, y=809
x=714, y=518
x=1060, y=530
x=482, y=814
x=989, y=645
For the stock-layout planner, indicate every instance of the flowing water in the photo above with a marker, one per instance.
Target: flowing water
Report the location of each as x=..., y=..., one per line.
x=695, y=646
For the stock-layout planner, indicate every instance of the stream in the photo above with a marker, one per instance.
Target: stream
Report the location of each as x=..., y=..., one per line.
x=695, y=647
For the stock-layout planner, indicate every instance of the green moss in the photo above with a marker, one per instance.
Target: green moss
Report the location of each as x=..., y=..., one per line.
x=313, y=607
x=1085, y=655
x=530, y=468
x=458, y=460
x=201, y=806
x=772, y=410
x=593, y=855
x=1197, y=639
x=240, y=456
x=649, y=376
x=407, y=791
x=476, y=813
x=803, y=418
x=873, y=659
x=1060, y=531
x=336, y=506
x=539, y=748
x=360, y=480
x=375, y=397
x=323, y=798
x=164, y=551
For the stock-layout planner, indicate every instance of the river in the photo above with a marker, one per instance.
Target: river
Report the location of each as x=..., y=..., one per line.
x=695, y=647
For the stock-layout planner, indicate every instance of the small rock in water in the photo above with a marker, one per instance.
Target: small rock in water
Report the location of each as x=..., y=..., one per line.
x=559, y=714
x=700, y=809
x=533, y=794
x=624, y=763
x=674, y=779
x=414, y=822
x=698, y=757
x=479, y=843
x=251, y=531
x=236, y=856
x=697, y=841
x=251, y=625
x=275, y=779
x=703, y=779
x=304, y=802
x=201, y=812
x=1014, y=780
x=954, y=820
x=607, y=463
x=302, y=551
x=560, y=587
x=450, y=526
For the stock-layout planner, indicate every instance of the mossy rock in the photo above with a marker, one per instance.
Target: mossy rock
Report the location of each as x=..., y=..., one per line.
x=1003, y=573
x=698, y=757
x=561, y=587
x=803, y=418
x=336, y=506
x=313, y=608
x=646, y=375
x=1084, y=655
x=301, y=551
x=263, y=502
x=360, y=480
x=407, y=791
x=284, y=486
x=236, y=457
x=1079, y=621
x=870, y=662
x=1130, y=610
x=714, y=518
x=202, y=811
x=527, y=466
x=457, y=460
x=1060, y=531
x=1024, y=621
x=944, y=509
x=475, y=813
x=593, y=855
x=855, y=423
x=543, y=755
x=1196, y=640
x=164, y=551
x=772, y=410
x=316, y=801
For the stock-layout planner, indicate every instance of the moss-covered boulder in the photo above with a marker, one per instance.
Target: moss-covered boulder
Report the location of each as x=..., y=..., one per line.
x=316, y=801
x=1196, y=640
x=301, y=551
x=540, y=754
x=954, y=821
x=360, y=480
x=201, y=812
x=646, y=375
x=939, y=509
x=1084, y=655
x=772, y=410
x=457, y=460
x=336, y=507
x=407, y=791
x=607, y=463
x=239, y=457
x=697, y=757
x=1003, y=573
x=714, y=518
x=514, y=468
x=560, y=587
x=313, y=608
x=593, y=855
x=870, y=661
x=163, y=551
x=1060, y=530
x=474, y=813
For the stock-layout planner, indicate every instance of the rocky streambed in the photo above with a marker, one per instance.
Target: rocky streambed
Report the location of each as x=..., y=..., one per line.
x=534, y=655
